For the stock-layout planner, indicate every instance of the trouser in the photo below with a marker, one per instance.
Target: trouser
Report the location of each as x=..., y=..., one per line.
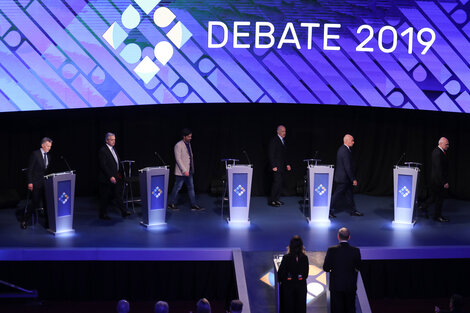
x=110, y=194
x=38, y=194
x=276, y=187
x=179, y=181
x=343, y=301
x=436, y=197
x=344, y=191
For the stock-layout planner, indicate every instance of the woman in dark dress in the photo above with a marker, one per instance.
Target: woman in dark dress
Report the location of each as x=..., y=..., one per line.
x=292, y=277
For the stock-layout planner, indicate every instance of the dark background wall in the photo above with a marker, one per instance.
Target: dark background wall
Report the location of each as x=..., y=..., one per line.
x=220, y=130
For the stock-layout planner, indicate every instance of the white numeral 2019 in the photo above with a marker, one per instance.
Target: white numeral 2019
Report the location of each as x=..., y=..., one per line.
x=408, y=32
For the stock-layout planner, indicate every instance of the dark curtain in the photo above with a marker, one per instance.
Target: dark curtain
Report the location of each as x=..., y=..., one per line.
x=225, y=130
x=131, y=280
x=415, y=279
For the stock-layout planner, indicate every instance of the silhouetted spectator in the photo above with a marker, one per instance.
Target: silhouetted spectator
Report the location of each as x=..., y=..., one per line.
x=161, y=307
x=203, y=306
x=236, y=306
x=455, y=305
x=122, y=306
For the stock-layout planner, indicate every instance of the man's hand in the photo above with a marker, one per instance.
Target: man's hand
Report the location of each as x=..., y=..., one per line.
x=30, y=187
x=446, y=185
x=274, y=169
x=354, y=183
x=186, y=173
x=112, y=180
x=288, y=167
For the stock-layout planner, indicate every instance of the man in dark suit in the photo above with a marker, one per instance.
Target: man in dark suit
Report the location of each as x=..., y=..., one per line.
x=343, y=261
x=344, y=177
x=278, y=164
x=439, y=180
x=110, y=178
x=38, y=166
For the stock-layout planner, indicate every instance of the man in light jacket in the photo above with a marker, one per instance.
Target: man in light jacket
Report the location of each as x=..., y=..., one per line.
x=184, y=170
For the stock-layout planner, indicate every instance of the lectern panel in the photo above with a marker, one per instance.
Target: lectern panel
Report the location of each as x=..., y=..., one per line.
x=320, y=191
x=158, y=192
x=239, y=191
x=64, y=198
x=405, y=191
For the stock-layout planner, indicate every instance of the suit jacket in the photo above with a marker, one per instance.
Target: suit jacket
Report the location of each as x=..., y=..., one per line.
x=343, y=261
x=439, y=168
x=107, y=163
x=344, y=169
x=183, y=159
x=291, y=268
x=277, y=153
x=36, y=168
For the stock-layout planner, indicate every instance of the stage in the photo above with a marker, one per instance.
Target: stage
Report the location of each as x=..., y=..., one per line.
x=270, y=230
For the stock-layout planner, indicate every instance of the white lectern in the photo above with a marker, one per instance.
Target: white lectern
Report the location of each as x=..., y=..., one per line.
x=404, y=186
x=239, y=191
x=154, y=193
x=60, y=201
x=320, y=183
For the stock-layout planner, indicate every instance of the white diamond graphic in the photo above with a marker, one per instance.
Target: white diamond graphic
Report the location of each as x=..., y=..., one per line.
x=115, y=35
x=146, y=70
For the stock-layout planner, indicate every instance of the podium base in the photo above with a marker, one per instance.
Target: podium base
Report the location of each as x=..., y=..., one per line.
x=403, y=224
x=152, y=225
x=326, y=222
x=63, y=232
x=238, y=223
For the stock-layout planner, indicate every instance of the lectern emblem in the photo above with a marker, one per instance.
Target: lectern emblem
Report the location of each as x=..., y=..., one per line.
x=320, y=189
x=157, y=192
x=404, y=191
x=239, y=190
x=64, y=198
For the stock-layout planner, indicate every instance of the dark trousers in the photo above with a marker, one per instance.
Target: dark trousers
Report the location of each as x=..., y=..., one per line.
x=111, y=194
x=343, y=301
x=38, y=194
x=276, y=187
x=436, y=197
x=344, y=191
x=293, y=297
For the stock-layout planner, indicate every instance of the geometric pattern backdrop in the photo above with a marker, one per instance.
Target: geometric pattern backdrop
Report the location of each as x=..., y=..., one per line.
x=58, y=54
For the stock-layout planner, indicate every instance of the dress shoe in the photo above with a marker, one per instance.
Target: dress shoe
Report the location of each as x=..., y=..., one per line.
x=173, y=207
x=125, y=214
x=441, y=219
x=331, y=215
x=280, y=202
x=356, y=213
x=274, y=203
x=196, y=208
x=104, y=217
x=23, y=225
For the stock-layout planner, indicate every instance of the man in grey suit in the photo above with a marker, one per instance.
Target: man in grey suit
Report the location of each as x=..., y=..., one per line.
x=184, y=170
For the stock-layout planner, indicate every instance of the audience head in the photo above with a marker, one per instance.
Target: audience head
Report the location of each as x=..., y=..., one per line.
x=161, y=307
x=122, y=306
x=203, y=306
x=281, y=131
x=456, y=303
x=296, y=246
x=46, y=144
x=236, y=306
x=348, y=140
x=343, y=234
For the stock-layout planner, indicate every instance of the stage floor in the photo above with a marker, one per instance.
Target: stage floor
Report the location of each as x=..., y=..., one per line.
x=270, y=230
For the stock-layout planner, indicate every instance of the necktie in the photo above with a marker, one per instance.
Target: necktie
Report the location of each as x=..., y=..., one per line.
x=45, y=160
x=115, y=157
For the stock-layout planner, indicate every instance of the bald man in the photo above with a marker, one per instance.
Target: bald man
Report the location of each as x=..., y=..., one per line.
x=279, y=165
x=439, y=180
x=343, y=261
x=344, y=178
